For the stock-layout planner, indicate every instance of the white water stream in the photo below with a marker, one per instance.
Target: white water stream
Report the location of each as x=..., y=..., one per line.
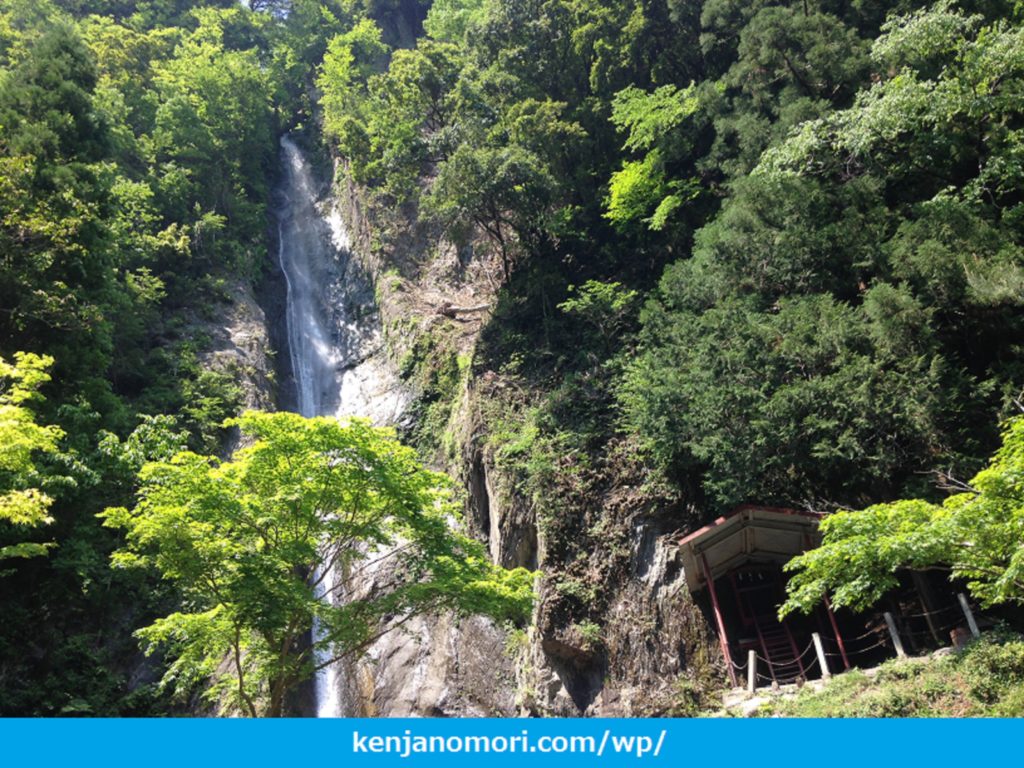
x=333, y=336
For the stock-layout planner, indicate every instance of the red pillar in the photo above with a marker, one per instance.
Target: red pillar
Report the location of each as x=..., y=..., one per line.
x=723, y=638
x=835, y=628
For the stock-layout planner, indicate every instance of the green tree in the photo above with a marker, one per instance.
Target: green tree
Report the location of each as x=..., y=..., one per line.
x=504, y=191
x=136, y=141
x=605, y=308
x=410, y=115
x=978, y=535
x=249, y=541
x=55, y=259
x=662, y=124
x=214, y=112
x=891, y=228
x=351, y=58
x=785, y=406
x=22, y=504
x=449, y=19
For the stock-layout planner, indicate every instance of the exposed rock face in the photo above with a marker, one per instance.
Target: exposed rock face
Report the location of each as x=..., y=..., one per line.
x=652, y=641
x=657, y=638
x=240, y=344
x=653, y=645
x=500, y=516
x=407, y=307
x=437, y=666
x=340, y=364
x=427, y=665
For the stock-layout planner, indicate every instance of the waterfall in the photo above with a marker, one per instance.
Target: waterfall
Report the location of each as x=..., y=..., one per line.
x=305, y=255
x=334, y=338
x=308, y=254
x=333, y=327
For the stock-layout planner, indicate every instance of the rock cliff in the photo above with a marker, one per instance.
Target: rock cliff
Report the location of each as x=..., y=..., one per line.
x=643, y=648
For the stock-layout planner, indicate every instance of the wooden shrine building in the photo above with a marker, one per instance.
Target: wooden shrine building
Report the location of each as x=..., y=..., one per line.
x=734, y=566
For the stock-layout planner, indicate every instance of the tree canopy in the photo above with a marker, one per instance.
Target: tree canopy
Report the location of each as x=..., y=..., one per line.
x=23, y=505
x=135, y=143
x=976, y=534
x=253, y=541
x=835, y=324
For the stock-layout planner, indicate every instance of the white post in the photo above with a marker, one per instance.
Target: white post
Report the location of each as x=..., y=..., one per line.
x=751, y=670
x=895, y=636
x=968, y=613
x=825, y=673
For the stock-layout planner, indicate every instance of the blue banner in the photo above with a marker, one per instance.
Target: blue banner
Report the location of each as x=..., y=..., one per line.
x=196, y=743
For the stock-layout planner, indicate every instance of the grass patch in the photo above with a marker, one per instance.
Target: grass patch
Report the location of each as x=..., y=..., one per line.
x=985, y=680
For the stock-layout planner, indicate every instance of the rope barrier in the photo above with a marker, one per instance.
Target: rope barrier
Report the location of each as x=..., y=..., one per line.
x=850, y=653
x=862, y=651
x=879, y=633
x=809, y=647
x=939, y=630
x=780, y=664
x=873, y=631
x=805, y=675
x=947, y=609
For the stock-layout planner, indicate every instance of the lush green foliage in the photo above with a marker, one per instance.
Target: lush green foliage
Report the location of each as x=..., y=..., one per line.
x=22, y=440
x=976, y=534
x=135, y=143
x=138, y=141
x=253, y=541
x=846, y=318
x=489, y=106
x=829, y=193
x=250, y=540
x=836, y=327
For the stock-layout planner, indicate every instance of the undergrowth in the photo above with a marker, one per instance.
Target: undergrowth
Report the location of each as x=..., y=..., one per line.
x=984, y=680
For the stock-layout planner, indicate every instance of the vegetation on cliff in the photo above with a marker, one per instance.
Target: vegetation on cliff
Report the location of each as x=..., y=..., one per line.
x=22, y=442
x=796, y=227
x=747, y=251
x=135, y=139
x=832, y=186
x=976, y=535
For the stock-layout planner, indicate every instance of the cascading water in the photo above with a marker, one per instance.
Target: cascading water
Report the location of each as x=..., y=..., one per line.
x=340, y=368
x=306, y=254
x=333, y=338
